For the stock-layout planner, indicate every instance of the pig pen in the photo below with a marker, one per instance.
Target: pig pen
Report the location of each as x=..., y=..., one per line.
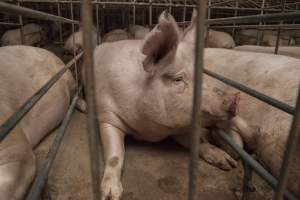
x=152, y=170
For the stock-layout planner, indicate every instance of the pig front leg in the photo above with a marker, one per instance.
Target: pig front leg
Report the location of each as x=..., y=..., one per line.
x=113, y=145
x=210, y=153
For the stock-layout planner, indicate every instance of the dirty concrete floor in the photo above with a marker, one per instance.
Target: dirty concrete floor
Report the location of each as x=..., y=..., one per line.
x=153, y=171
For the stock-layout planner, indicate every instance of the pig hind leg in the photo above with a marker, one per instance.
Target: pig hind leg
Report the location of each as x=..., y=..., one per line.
x=17, y=165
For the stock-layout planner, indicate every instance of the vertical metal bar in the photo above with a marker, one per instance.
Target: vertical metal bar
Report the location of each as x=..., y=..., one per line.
x=97, y=22
x=196, y=115
x=289, y=150
x=133, y=12
x=93, y=130
x=279, y=29
x=21, y=26
x=102, y=20
x=59, y=23
x=150, y=13
x=184, y=14
x=170, y=6
x=208, y=26
x=260, y=34
x=235, y=14
x=73, y=38
x=247, y=182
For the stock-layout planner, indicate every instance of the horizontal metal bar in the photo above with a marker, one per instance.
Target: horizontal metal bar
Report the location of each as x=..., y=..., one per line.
x=256, y=18
x=270, y=26
x=11, y=9
x=133, y=3
x=11, y=122
x=247, y=9
x=10, y=24
x=42, y=176
x=269, y=100
x=260, y=170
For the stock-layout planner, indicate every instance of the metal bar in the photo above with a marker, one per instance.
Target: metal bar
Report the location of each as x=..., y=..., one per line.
x=269, y=100
x=42, y=176
x=278, y=31
x=247, y=9
x=235, y=15
x=150, y=12
x=59, y=23
x=11, y=122
x=262, y=172
x=93, y=130
x=255, y=18
x=11, y=9
x=260, y=35
x=9, y=24
x=21, y=26
x=269, y=26
x=97, y=22
x=133, y=12
x=290, y=148
x=247, y=182
x=196, y=115
x=184, y=13
x=73, y=38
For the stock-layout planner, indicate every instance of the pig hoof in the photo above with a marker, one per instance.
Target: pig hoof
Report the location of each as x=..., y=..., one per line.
x=81, y=105
x=219, y=158
x=111, y=189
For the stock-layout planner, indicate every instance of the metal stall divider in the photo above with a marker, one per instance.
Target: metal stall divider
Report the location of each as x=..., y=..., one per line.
x=196, y=115
x=93, y=129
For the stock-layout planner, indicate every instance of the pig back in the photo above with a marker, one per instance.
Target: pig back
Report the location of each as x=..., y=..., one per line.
x=274, y=75
x=23, y=71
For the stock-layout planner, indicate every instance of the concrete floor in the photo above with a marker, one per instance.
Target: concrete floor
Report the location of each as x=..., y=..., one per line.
x=153, y=171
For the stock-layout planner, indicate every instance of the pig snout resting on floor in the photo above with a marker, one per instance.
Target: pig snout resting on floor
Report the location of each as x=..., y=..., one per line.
x=23, y=71
x=117, y=35
x=292, y=51
x=218, y=39
x=144, y=88
x=276, y=76
x=33, y=35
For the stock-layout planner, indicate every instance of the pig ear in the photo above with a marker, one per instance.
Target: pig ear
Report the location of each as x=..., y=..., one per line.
x=230, y=104
x=189, y=32
x=161, y=41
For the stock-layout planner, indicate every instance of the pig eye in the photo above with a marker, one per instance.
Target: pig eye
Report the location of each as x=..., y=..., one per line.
x=178, y=79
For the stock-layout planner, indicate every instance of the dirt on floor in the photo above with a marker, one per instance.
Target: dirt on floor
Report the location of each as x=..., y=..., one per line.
x=153, y=171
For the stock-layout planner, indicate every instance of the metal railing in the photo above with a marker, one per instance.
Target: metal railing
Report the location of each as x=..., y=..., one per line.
x=249, y=163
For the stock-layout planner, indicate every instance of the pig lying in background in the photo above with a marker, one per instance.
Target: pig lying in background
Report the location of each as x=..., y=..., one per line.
x=23, y=71
x=33, y=35
x=116, y=35
x=144, y=89
x=248, y=37
x=76, y=44
x=218, y=39
x=138, y=32
x=276, y=76
x=292, y=51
